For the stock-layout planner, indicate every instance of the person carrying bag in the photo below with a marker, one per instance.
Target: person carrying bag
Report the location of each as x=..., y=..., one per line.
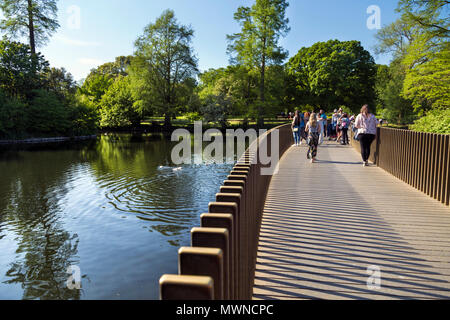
x=296, y=123
x=366, y=123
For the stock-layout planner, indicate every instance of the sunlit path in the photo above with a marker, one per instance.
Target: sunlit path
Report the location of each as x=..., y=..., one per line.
x=324, y=224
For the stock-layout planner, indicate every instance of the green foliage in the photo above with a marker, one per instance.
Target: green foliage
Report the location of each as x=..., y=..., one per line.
x=277, y=94
x=164, y=62
x=431, y=15
x=334, y=73
x=395, y=38
x=101, y=78
x=114, y=69
x=117, y=105
x=47, y=115
x=95, y=86
x=60, y=82
x=427, y=83
x=237, y=83
x=348, y=110
x=20, y=71
x=256, y=46
x=217, y=109
x=262, y=25
x=193, y=116
x=35, y=19
x=419, y=40
x=240, y=85
x=435, y=121
x=83, y=118
x=13, y=117
x=36, y=100
x=391, y=105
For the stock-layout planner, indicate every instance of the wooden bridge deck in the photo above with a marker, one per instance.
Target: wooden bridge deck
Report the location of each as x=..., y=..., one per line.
x=324, y=224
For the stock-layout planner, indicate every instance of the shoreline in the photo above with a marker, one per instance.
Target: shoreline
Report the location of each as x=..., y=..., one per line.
x=138, y=130
x=46, y=140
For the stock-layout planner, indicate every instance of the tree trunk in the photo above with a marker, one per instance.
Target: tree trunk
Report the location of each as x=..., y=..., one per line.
x=31, y=27
x=168, y=113
x=262, y=93
x=167, y=120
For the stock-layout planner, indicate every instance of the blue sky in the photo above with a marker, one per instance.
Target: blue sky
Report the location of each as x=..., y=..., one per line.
x=108, y=28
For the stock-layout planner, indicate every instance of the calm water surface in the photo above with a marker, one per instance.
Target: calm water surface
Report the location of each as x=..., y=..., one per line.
x=117, y=208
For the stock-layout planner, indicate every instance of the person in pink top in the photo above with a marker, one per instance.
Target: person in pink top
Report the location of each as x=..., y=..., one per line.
x=366, y=123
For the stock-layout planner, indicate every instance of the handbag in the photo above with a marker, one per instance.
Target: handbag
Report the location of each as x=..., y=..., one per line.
x=295, y=130
x=358, y=134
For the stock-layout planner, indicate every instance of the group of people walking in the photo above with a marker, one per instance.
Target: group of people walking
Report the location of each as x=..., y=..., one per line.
x=339, y=126
x=313, y=127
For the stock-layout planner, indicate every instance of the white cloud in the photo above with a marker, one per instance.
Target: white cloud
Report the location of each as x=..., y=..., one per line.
x=77, y=43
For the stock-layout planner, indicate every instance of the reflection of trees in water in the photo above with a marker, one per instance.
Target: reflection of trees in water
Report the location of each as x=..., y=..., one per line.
x=126, y=167
x=30, y=192
x=34, y=183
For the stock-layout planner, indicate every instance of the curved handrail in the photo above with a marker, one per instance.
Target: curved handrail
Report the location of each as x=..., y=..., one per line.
x=231, y=228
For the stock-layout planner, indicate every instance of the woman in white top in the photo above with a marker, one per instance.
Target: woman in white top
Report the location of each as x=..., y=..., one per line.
x=366, y=123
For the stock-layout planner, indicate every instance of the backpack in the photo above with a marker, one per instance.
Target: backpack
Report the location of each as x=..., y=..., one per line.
x=345, y=123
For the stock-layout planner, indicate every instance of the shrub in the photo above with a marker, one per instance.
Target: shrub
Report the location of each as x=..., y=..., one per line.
x=118, y=105
x=435, y=121
x=13, y=117
x=47, y=114
x=193, y=116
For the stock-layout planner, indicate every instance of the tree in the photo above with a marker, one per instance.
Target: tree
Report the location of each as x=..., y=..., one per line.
x=114, y=69
x=427, y=80
x=164, y=61
x=47, y=114
x=395, y=38
x=425, y=55
x=389, y=85
x=427, y=84
x=60, y=82
x=101, y=78
x=237, y=83
x=13, y=117
x=430, y=15
x=36, y=19
x=117, y=105
x=334, y=73
x=21, y=73
x=95, y=86
x=436, y=121
x=217, y=108
x=256, y=45
x=424, y=61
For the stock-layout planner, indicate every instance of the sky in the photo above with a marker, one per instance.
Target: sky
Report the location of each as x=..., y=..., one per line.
x=94, y=32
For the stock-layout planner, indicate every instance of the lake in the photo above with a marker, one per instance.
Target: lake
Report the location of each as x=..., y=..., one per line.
x=115, y=208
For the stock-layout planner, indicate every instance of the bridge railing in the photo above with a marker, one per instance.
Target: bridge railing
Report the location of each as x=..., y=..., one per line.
x=417, y=158
x=220, y=264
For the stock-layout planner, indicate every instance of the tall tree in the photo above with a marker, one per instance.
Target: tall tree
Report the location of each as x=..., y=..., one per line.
x=334, y=73
x=164, y=60
x=256, y=45
x=35, y=19
x=395, y=38
x=421, y=65
x=431, y=15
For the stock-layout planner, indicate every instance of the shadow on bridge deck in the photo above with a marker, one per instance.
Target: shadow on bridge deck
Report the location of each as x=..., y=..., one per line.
x=324, y=224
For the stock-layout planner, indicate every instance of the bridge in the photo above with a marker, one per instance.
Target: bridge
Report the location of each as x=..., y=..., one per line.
x=329, y=230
